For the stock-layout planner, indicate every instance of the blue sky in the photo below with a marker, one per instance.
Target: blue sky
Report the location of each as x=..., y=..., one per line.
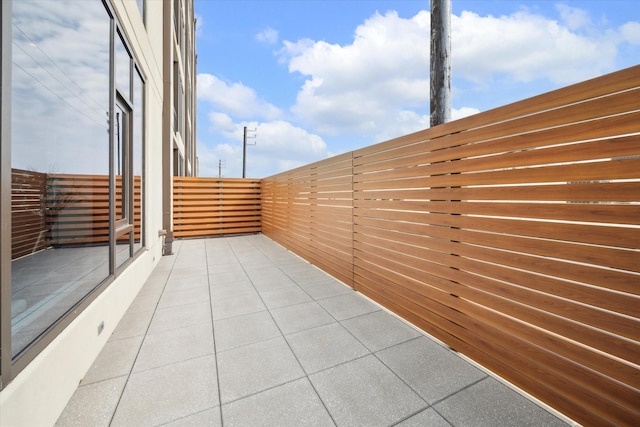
x=319, y=78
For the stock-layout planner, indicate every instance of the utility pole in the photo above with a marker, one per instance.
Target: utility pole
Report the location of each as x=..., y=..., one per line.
x=221, y=164
x=244, y=153
x=244, y=150
x=440, y=76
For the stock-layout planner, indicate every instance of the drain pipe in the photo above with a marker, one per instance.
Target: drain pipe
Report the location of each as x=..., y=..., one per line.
x=163, y=234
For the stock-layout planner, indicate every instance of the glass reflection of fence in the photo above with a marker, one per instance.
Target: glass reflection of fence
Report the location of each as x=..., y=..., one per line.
x=53, y=210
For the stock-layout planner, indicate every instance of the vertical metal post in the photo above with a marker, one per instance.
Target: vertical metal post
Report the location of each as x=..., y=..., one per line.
x=167, y=129
x=5, y=194
x=440, y=76
x=244, y=153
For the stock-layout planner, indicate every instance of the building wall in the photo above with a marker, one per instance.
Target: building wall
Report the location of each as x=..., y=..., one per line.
x=36, y=386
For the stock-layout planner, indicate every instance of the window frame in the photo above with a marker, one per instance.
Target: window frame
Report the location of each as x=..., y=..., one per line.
x=11, y=366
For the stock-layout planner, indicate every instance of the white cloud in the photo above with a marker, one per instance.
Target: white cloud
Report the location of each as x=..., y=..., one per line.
x=459, y=113
x=377, y=87
x=378, y=84
x=354, y=88
x=630, y=32
x=268, y=36
x=234, y=98
x=221, y=122
x=573, y=17
x=278, y=145
x=525, y=47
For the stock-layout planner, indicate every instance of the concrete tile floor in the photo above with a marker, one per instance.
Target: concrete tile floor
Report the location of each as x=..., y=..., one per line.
x=239, y=331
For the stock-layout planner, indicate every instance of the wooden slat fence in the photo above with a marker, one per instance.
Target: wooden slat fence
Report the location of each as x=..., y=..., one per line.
x=215, y=206
x=62, y=209
x=78, y=208
x=513, y=236
x=310, y=211
x=28, y=227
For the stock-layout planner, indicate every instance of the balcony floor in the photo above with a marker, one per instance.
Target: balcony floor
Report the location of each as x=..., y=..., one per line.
x=239, y=331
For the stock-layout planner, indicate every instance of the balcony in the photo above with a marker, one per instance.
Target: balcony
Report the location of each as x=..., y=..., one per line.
x=511, y=236
x=240, y=331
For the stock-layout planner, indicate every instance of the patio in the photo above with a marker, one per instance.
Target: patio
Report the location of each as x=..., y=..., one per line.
x=240, y=331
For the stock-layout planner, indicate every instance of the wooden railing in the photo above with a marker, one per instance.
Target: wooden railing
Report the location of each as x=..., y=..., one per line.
x=215, y=206
x=513, y=236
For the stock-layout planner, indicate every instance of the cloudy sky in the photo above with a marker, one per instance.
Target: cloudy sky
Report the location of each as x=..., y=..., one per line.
x=319, y=78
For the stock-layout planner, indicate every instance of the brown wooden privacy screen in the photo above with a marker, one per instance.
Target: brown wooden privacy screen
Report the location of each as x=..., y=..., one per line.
x=513, y=236
x=62, y=209
x=28, y=225
x=215, y=206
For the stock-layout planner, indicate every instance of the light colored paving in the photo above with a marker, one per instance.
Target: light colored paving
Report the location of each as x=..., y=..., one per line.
x=238, y=331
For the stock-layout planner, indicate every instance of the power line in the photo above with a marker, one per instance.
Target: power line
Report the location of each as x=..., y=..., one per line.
x=56, y=95
x=46, y=69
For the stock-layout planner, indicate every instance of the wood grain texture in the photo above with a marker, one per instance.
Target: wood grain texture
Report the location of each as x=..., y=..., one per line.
x=512, y=235
x=215, y=206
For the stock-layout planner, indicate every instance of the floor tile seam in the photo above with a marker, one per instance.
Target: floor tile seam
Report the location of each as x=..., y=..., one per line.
x=187, y=416
x=164, y=365
x=115, y=409
x=188, y=271
x=238, y=315
x=229, y=283
x=304, y=302
x=419, y=412
x=287, y=274
x=246, y=396
x=372, y=351
x=321, y=326
x=285, y=306
x=213, y=333
x=267, y=309
x=112, y=339
x=250, y=344
x=191, y=265
x=188, y=288
x=473, y=383
x=362, y=356
x=347, y=318
x=84, y=384
x=179, y=305
x=170, y=329
x=305, y=374
x=402, y=379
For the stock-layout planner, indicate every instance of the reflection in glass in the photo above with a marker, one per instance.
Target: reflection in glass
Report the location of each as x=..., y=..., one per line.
x=138, y=164
x=123, y=69
x=119, y=165
x=60, y=160
x=123, y=249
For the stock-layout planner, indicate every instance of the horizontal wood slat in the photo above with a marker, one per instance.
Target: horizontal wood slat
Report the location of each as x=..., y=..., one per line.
x=28, y=226
x=512, y=235
x=311, y=211
x=215, y=206
x=63, y=209
x=78, y=208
